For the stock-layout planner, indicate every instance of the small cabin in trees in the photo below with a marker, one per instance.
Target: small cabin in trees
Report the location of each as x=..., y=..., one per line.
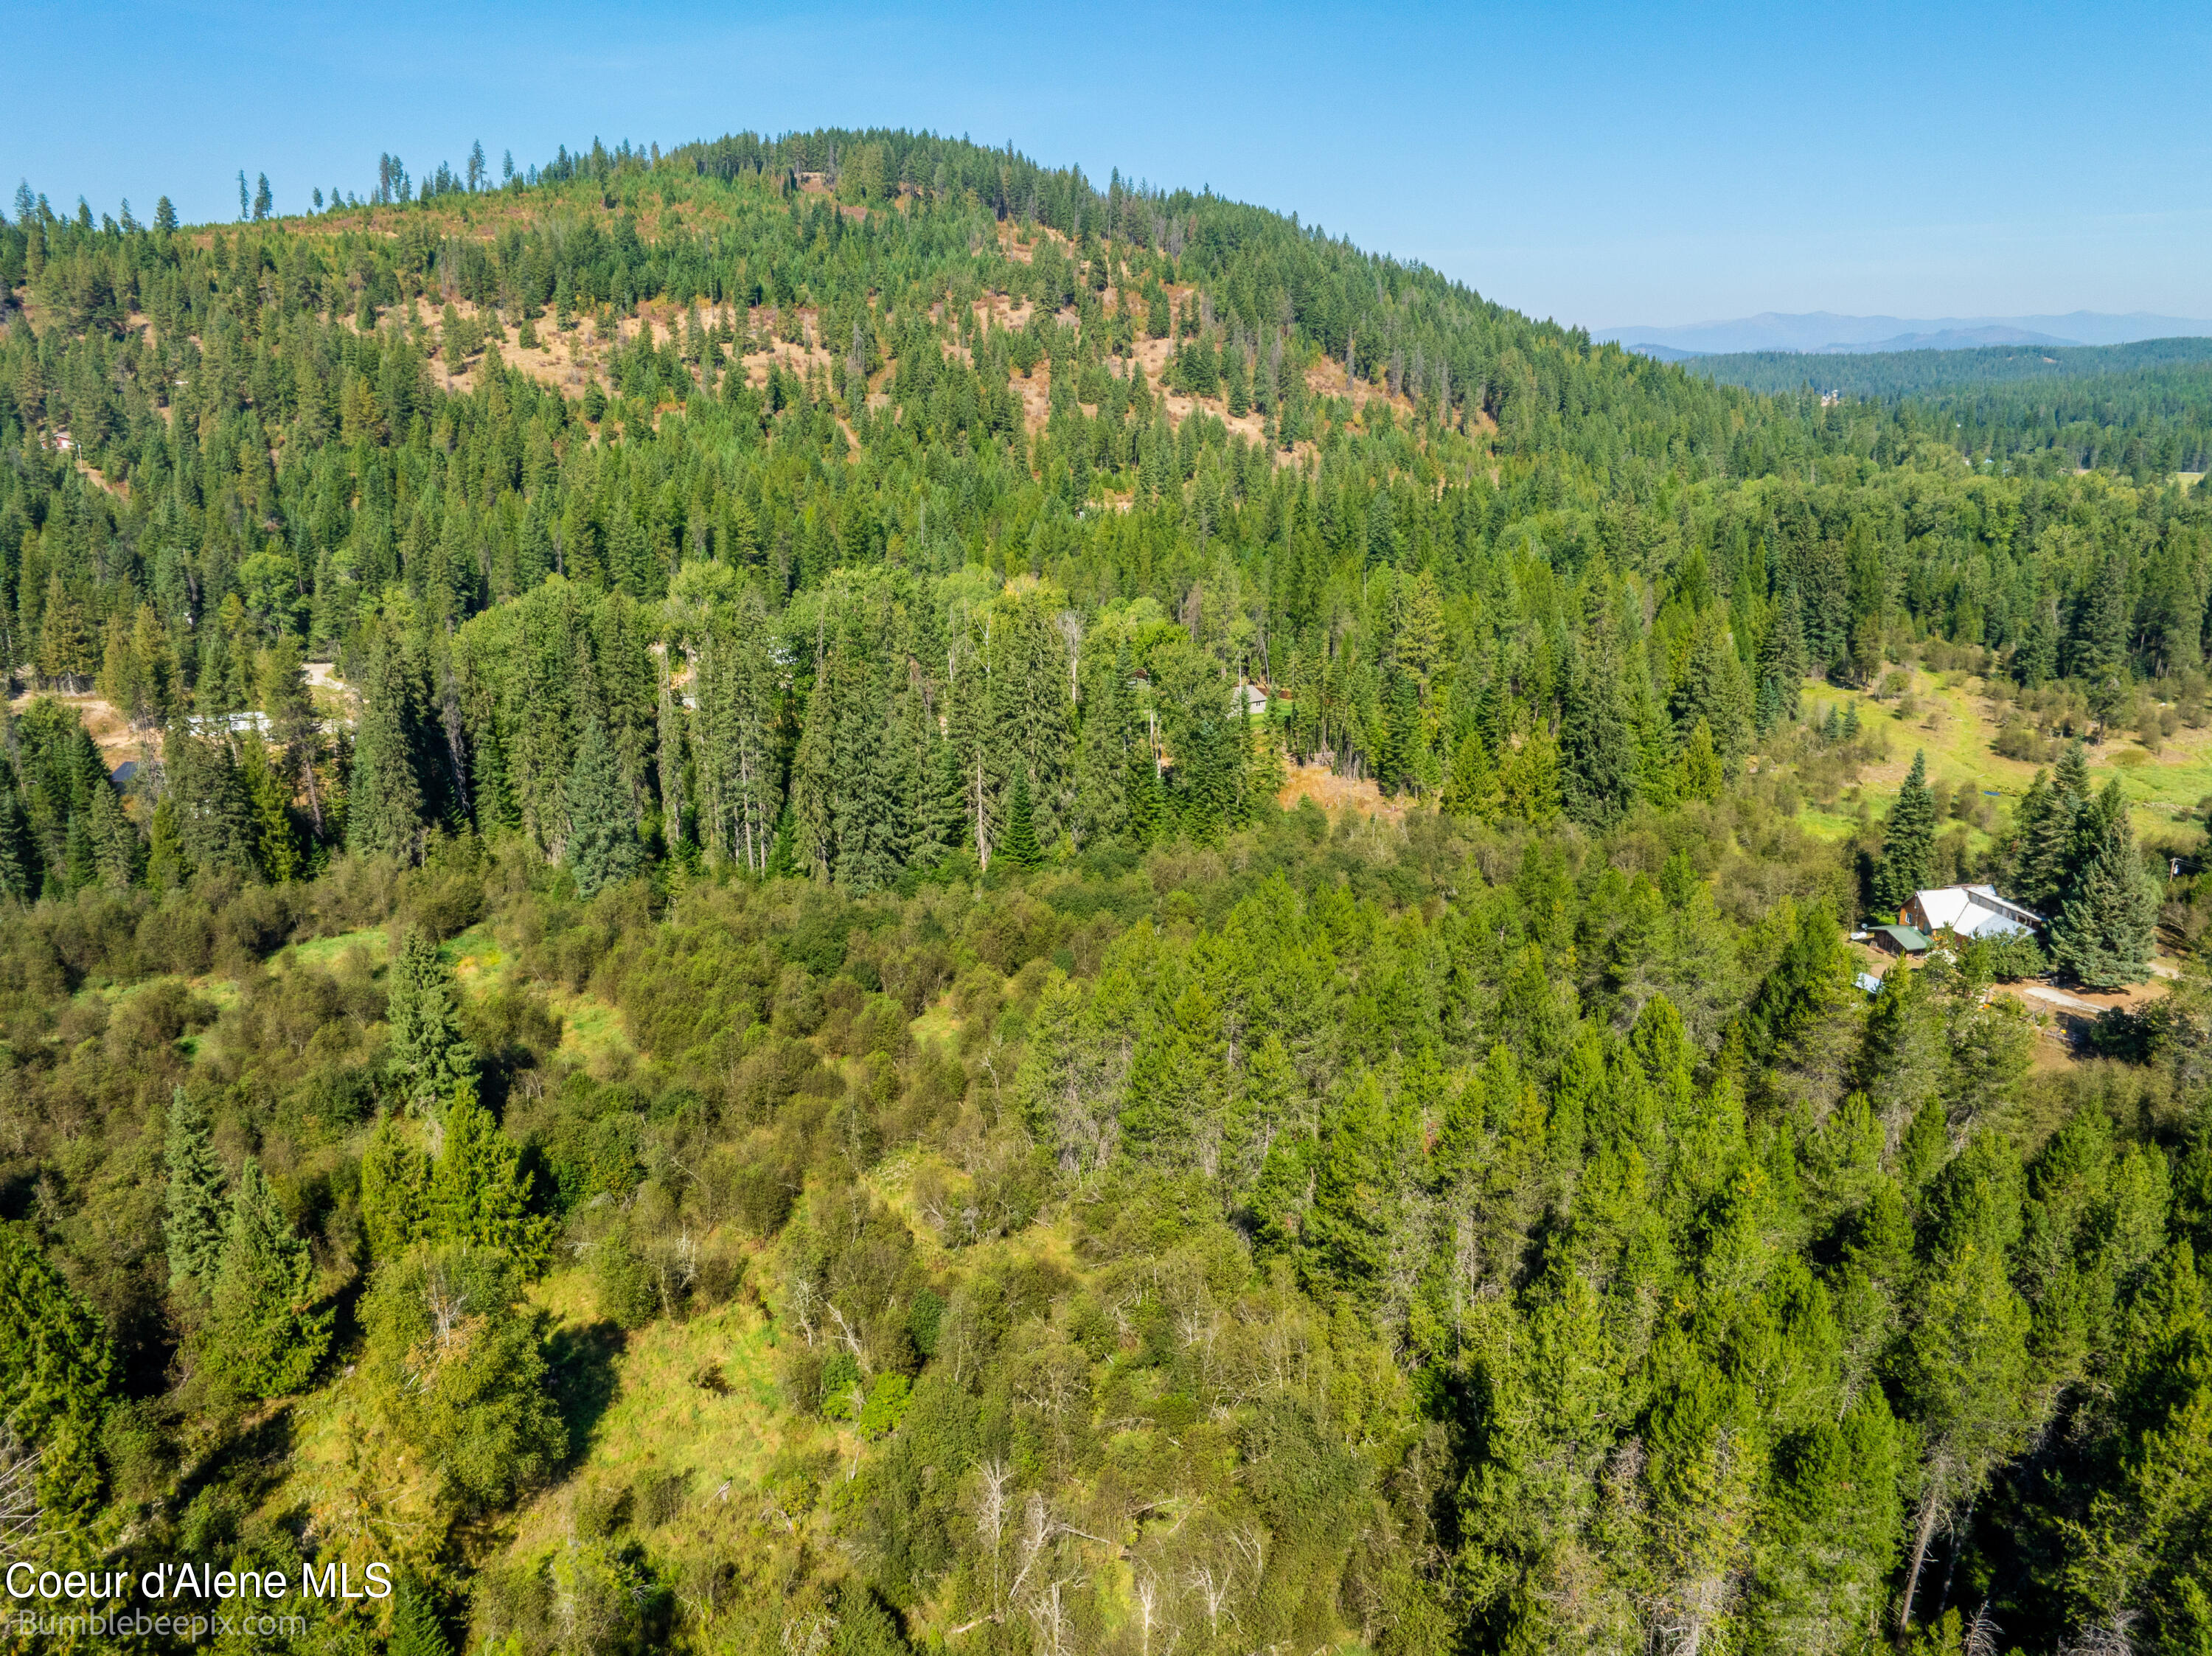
x=1970, y=911
x=1898, y=939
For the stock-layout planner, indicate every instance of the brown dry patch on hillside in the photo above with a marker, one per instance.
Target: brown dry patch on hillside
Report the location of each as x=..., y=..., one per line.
x=105, y=723
x=1333, y=793
x=1326, y=378
x=1251, y=425
x=1153, y=354
x=1036, y=393
x=1002, y=311
x=793, y=359
x=99, y=479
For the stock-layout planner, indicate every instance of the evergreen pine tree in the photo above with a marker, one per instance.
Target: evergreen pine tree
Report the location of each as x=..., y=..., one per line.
x=276, y=846
x=167, y=869
x=1782, y=662
x=415, y=1629
x=1347, y=1230
x=262, y=1335
x=1020, y=846
x=866, y=768
x=18, y=857
x=1712, y=686
x=1397, y=765
x=1811, y=974
x=2047, y=832
x=1658, y=754
x=2033, y=879
x=1598, y=744
x=1528, y=784
x=1101, y=810
x=395, y=1184
x=55, y=1369
x=213, y=819
x=384, y=796
x=423, y=1010
x=479, y=1194
x=2103, y=933
x=1145, y=806
x=937, y=811
x=2080, y=831
x=2072, y=778
x=814, y=773
x=2035, y=663
x=1470, y=789
x=1701, y=764
x=1907, y=841
x=2100, y=622
x=670, y=750
x=192, y=1223
x=602, y=848
x=783, y=850
x=1262, y=784
x=114, y=841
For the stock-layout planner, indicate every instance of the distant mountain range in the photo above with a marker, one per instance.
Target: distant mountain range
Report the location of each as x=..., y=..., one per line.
x=1825, y=332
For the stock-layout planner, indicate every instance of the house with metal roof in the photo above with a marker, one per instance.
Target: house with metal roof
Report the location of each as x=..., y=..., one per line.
x=1970, y=911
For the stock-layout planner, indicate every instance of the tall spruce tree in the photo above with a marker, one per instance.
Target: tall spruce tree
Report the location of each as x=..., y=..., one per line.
x=56, y=1365
x=2033, y=878
x=1101, y=807
x=114, y=841
x=193, y=1221
x=1907, y=842
x=1712, y=686
x=19, y=862
x=2104, y=931
x=395, y=1184
x=423, y=1010
x=384, y=795
x=479, y=1192
x=1599, y=767
x=263, y=1334
x=1783, y=661
x=602, y=847
x=1020, y=847
x=416, y=1628
x=2047, y=831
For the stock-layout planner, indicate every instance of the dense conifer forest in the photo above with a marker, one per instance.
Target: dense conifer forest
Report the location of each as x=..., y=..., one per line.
x=670, y=959
x=2137, y=410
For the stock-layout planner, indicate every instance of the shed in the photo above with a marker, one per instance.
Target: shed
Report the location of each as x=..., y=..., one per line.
x=1868, y=981
x=1900, y=939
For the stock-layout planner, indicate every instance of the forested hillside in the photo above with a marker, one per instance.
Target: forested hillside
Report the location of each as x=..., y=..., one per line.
x=656, y=969
x=2137, y=410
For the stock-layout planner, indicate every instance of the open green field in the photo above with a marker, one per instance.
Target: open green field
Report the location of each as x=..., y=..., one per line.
x=327, y=951
x=1951, y=718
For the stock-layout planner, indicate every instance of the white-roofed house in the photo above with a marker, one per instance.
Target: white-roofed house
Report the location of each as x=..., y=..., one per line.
x=1970, y=911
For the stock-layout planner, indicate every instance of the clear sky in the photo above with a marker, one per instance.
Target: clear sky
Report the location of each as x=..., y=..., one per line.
x=1604, y=165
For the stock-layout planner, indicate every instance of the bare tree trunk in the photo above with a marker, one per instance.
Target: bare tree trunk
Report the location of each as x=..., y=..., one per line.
x=1931, y=1505
x=306, y=750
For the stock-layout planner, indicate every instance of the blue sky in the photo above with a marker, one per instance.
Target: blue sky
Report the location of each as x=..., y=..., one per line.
x=1604, y=165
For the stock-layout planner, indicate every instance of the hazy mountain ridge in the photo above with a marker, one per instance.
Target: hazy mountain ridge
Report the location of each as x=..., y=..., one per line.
x=2064, y=382
x=1826, y=331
